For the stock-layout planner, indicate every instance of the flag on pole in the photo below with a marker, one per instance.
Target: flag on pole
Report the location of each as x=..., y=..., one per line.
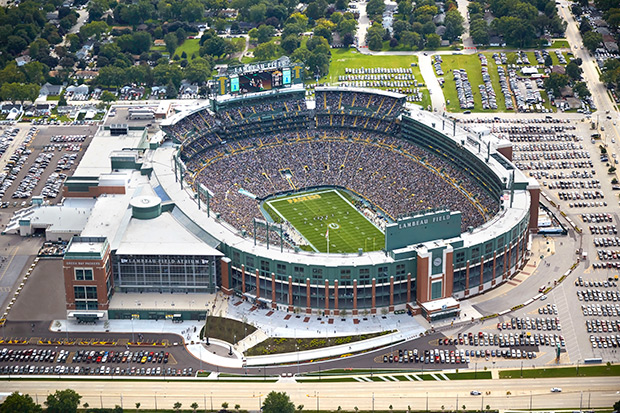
x=327, y=233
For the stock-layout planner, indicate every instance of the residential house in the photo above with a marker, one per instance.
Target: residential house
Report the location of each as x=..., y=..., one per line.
x=22, y=60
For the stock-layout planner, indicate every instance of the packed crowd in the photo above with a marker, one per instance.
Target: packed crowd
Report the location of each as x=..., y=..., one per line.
x=238, y=112
x=398, y=176
x=194, y=123
x=380, y=105
x=355, y=121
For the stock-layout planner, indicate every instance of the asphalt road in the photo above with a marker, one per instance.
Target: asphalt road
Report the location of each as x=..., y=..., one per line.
x=502, y=394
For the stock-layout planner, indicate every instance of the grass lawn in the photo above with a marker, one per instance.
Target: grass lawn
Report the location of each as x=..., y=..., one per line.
x=343, y=58
x=189, y=46
x=276, y=345
x=585, y=371
x=226, y=329
x=312, y=213
x=52, y=98
x=351, y=58
x=560, y=44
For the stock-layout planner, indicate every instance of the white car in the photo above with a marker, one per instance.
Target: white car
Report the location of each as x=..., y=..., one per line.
x=475, y=393
x=556, y=390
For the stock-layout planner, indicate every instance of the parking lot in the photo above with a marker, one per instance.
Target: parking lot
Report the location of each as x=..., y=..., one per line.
x=50, y=360
x=41, y=162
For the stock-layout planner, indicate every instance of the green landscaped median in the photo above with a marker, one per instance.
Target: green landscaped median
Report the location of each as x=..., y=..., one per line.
x=582, y=371
x=226, y=329
x=276, y=345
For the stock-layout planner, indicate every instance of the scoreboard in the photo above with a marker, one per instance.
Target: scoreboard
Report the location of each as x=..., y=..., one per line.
x=258, y=77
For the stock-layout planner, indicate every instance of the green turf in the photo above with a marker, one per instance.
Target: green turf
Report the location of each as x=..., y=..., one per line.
x=348, y=228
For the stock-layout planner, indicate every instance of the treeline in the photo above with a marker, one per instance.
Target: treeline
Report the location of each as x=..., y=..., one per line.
x=416, y=25
x=519, y=23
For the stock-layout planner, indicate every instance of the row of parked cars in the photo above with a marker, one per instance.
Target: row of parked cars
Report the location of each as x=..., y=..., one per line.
x=99, y=370
x=598, y=295
x=604, y=229
x=602, y=326
x=534, y=323
x=28, y=355
x=93, y=356
x=592, y=184
x=597, y=218
x=605, y=341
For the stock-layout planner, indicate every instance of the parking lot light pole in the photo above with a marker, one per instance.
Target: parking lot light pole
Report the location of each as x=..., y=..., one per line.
x=207, y=327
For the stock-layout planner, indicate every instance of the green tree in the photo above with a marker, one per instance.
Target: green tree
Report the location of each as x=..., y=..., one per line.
x=411, y=39
x=347, y=26
x=63, y=401
x=215, y=46
x=177, y=407
x=556, y=82
x=135, y=43
x=454, y=24
x=592, y=40
x=278, y=402
x=194, y=406
x=264, y=33
x=374, y=37
x=225, y=405
x=111, y=76
x=15, y=44
x=573, y=71
x=137, y=407
x=19, y=403
x=290, y=43
x=35, y=72
x=617, y=406
x=107, y=97
x=405, y=7
x=582, y=90
x=95, y=28
x=171, y=43
x=610, y=73
x=433, y=41
x=198, y=71
x=257, y=12
x=324, y=28
x=164, y=73
x=192, y=10
x=375, y=9
x=548, y=60
x=479, y=32
x=265, y=51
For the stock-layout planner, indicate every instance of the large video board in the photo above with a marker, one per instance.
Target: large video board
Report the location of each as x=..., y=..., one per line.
x=259, y=77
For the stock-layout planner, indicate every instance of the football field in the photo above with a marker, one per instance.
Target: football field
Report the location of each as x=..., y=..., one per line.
x=315, y=213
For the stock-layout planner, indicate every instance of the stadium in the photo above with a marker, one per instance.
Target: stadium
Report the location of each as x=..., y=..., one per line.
x=351, y=201
x=348, y=202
